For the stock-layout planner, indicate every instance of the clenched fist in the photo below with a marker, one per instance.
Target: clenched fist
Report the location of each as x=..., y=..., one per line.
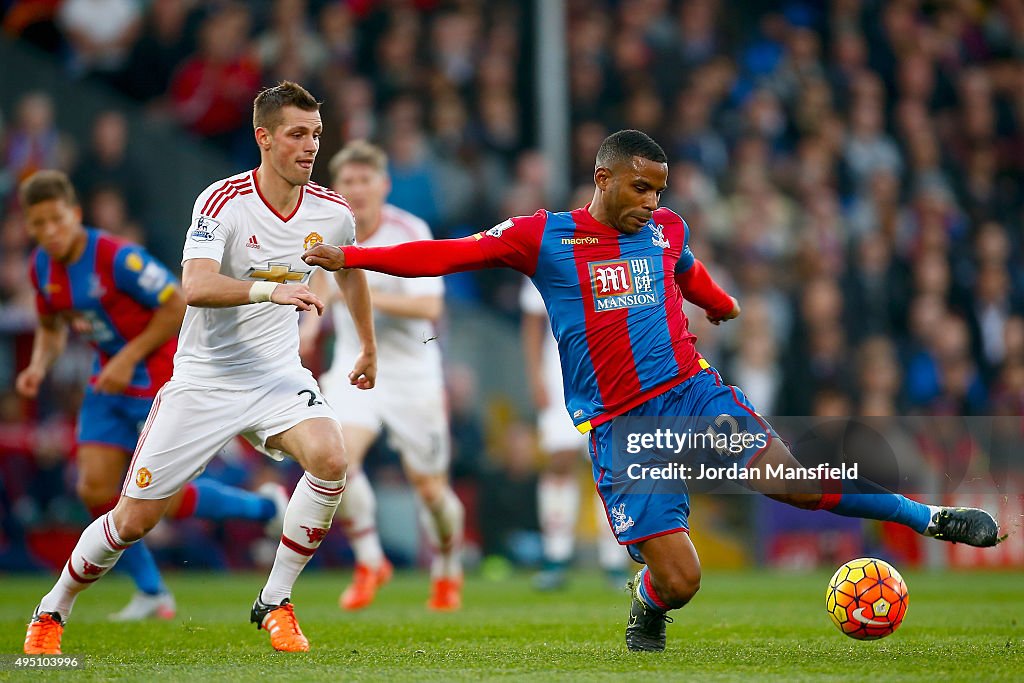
x=326, y=256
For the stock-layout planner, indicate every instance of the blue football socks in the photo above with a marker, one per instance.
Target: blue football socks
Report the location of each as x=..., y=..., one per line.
x=138, y=562
x=215, y=501
x=862, y=498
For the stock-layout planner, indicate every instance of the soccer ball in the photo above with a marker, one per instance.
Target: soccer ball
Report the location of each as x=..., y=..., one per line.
x=867, y=599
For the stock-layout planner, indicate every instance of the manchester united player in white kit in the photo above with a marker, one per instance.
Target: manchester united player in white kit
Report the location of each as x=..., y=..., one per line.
x=409, y=398
x=237, y=368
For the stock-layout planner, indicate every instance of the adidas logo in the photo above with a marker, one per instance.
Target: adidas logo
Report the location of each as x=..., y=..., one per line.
x=253, y=243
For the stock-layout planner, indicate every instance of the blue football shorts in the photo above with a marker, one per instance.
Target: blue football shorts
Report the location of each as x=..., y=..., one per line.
x=112, y=419
x=643, y=459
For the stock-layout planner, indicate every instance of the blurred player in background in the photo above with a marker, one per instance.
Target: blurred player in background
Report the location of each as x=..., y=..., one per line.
x=129, y=307
x=613, y=275
x=237, y=368
x=558, y=490
x=408, y=400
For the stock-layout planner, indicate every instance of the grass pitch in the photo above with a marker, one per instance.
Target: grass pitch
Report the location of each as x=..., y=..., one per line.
x=750, y=626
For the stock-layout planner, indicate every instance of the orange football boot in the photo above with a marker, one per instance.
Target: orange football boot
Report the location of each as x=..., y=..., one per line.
x=282, y=625
x=43, y=636
x=445, y=594
x=365, y=582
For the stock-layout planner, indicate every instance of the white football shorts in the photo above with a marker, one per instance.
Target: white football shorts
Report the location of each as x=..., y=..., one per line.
x=189, y=424
x=557, y=432
x=412, y=411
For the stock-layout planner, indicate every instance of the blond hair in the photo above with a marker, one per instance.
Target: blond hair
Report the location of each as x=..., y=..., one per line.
x=359, y=152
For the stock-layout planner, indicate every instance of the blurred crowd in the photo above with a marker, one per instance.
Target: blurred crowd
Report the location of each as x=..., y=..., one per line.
x=851, y=170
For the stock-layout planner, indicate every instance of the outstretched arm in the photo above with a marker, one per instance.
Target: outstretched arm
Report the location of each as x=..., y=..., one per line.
x=514, y=243
x=424, y=258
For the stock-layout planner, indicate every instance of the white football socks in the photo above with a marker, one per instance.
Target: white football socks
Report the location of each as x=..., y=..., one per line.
x=97, y=551
x=358, y=515
x=558, y=502
x=306, y=523
x=443, y=525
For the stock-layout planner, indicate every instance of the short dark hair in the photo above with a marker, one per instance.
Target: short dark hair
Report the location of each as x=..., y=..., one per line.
x=626, y=144
x=266, y=109
x=43, y=186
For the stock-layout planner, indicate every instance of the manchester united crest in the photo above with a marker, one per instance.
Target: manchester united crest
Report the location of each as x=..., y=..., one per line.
x=312, y=239
x=144, y=478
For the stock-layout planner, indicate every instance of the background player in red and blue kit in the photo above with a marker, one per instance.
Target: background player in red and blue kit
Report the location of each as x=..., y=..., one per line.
x=128, y=305
x=613, y=275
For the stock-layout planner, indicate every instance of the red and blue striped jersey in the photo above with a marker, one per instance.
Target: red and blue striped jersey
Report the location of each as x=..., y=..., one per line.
x=110, y=294
x=615, y=308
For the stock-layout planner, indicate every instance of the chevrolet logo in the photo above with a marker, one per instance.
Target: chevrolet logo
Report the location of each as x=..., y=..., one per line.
x=278, y=272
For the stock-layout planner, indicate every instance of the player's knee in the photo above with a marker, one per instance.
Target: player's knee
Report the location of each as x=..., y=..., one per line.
x=677, y=584
x=132, y=524
x=679, y=588
x=430, y=490
x=324, y=456
x=335, y=467
x=328, y=464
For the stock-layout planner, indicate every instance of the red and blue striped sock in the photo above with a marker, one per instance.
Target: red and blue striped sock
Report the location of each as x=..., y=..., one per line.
x=646, y=593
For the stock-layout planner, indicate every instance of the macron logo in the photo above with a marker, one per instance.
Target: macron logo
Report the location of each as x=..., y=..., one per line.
x=253, y=243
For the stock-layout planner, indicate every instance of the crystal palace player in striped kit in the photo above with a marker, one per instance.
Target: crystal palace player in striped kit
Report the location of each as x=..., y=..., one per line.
x=237, y=369
x=129, y=307
x=613, y=275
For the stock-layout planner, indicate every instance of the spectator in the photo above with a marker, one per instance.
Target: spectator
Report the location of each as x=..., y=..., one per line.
x=212, y=92
x=100, y=33
x=167, y=39
x=35, y=22
x=33, y=142
x=107, y=163
x=290, y=49
x=875, y=291
x=693, y=138
x=413, y=169
x=992, y=308
x=340, y=39
x=868, y=149
x=755, y=366
x=107, y=209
